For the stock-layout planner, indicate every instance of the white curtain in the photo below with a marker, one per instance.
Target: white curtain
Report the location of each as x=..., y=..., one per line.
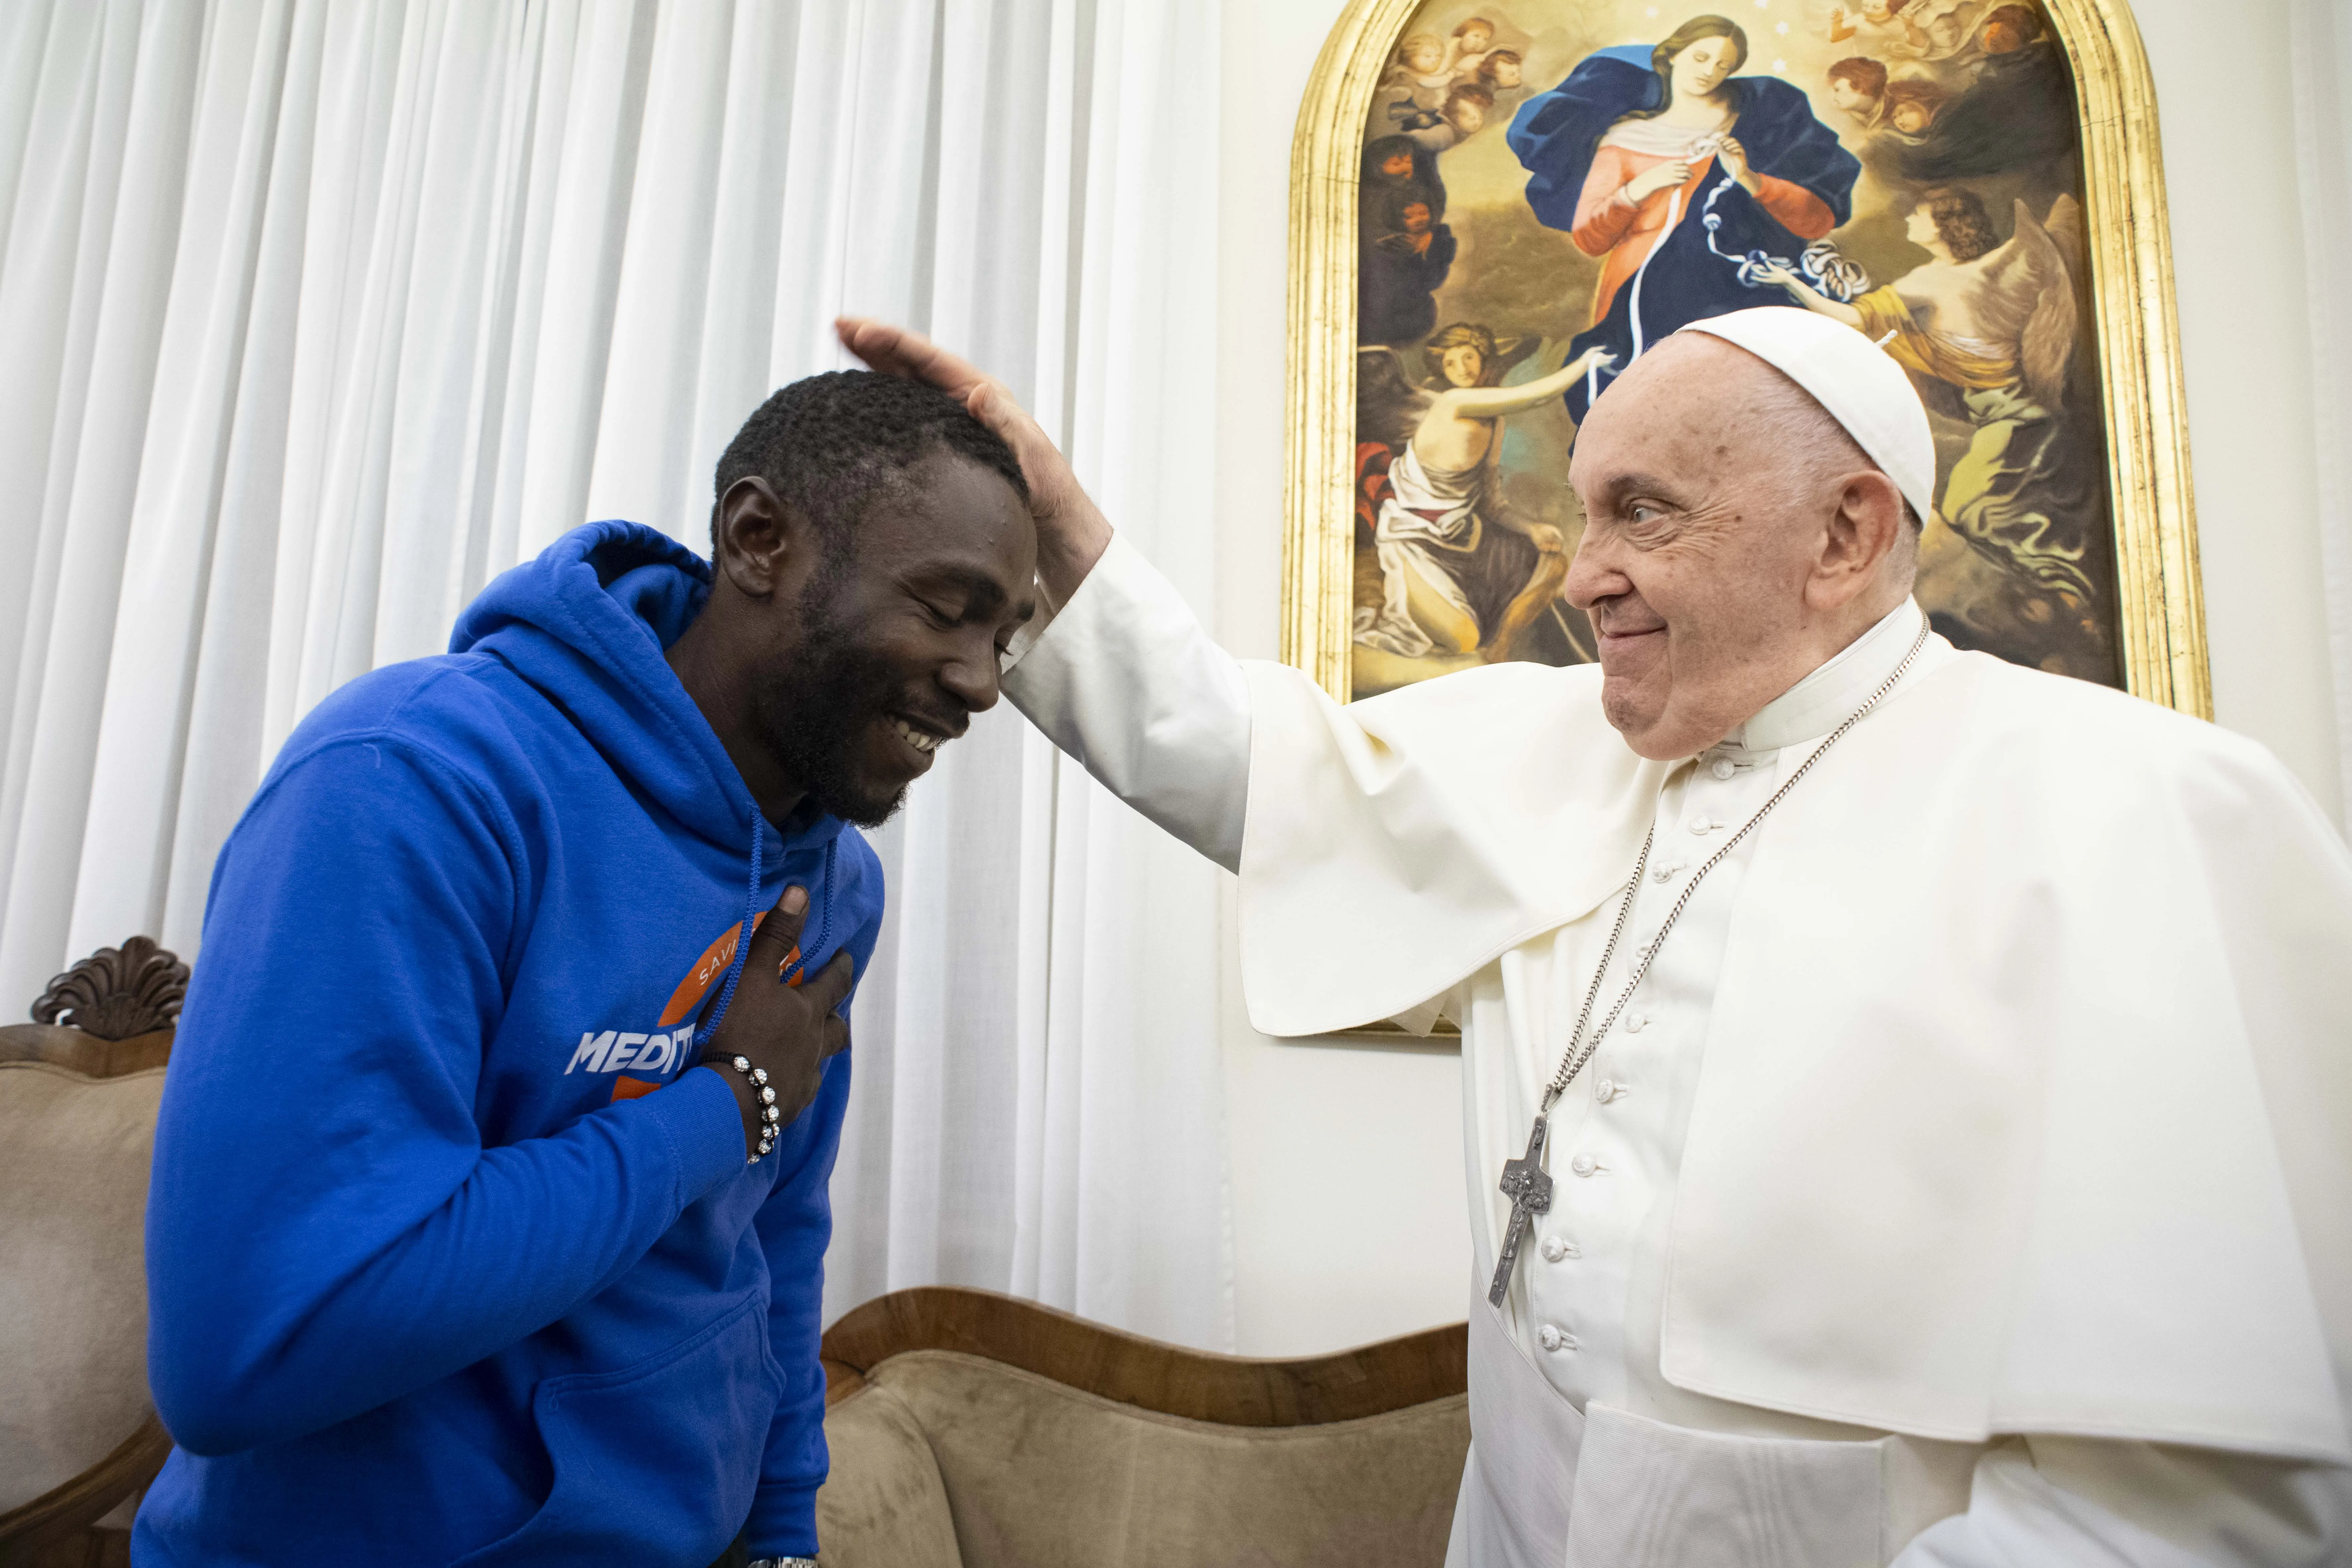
x=315, y=314
x=2321, y=38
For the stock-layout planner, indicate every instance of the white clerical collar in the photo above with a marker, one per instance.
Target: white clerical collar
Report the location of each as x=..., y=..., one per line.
x=1820, y=703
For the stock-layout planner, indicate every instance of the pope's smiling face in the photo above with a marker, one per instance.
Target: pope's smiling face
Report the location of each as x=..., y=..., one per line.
x=1715, y=564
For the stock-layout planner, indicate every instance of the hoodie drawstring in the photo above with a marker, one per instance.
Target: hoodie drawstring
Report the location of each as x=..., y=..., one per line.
x=742, y=941
x=806, y=948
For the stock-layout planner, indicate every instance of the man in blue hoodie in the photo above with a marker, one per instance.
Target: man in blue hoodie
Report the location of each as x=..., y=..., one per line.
x=489, y=1206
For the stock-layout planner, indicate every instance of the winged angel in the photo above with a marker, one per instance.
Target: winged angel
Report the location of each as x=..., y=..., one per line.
x=1995, y=322
x=1459, y=578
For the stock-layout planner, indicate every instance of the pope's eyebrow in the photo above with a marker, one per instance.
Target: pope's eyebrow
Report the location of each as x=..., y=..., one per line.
x=1621, y=485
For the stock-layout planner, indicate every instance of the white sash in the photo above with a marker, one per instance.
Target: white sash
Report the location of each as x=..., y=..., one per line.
x=1524, y=1442
x=1548, y=1487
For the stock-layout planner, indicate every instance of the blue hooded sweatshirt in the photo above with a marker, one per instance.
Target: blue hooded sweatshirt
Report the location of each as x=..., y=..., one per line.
x=451, y=1256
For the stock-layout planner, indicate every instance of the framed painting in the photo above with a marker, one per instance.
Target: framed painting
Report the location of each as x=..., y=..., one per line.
x=1497, y=205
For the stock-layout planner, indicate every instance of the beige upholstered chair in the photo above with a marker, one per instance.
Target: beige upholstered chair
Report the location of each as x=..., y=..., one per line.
x=971, y=1430
x=79, y=1088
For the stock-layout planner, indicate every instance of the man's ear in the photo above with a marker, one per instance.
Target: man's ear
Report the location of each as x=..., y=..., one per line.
x=753, y=537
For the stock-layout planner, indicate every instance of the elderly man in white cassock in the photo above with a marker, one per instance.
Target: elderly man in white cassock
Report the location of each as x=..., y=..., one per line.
x=1907, y=1098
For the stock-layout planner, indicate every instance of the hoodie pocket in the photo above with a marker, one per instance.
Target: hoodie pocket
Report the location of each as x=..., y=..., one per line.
x=655, y=1463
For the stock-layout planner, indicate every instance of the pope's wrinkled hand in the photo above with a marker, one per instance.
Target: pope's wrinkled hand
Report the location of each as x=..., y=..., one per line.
x=1071, y=532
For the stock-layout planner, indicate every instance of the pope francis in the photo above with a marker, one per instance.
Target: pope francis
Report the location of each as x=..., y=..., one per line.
x=1907, y=1098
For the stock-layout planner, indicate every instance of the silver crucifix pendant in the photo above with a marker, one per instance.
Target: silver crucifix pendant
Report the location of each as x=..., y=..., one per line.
x=1528, y=1187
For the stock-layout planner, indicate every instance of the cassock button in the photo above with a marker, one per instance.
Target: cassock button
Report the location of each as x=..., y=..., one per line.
x=1701, y=825
x=1552, y=1339
x=1723, y=768
x=1634, y=1024
x=1554, y=1249
x=1584, y=1165
x=1606, y=1091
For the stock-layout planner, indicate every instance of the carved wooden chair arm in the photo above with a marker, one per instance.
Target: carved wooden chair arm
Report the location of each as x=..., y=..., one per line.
x=58, y=1513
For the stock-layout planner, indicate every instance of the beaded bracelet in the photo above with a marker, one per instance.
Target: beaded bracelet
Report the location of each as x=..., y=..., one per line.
x=769, y=1114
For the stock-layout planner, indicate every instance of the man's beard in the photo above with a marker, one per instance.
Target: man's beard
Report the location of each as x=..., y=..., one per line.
x=818, y=711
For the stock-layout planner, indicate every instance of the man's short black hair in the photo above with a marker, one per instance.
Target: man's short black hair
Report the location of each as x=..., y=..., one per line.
x=830, y=445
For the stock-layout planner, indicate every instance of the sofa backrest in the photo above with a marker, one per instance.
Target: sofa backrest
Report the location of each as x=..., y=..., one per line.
x=1036, y=1474
x=883, y=1504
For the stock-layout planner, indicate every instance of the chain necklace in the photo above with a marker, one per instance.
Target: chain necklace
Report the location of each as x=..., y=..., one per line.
x=1524, y=1181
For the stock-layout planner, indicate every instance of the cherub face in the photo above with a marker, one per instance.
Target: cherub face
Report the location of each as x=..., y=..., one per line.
x=2000, y=39
x=1467, y=118
x=1424, y=58
x=1397, y=165
x=1909, y=119
x=1944, y=32
x=1474, y=40
x=1878, y=10
x=1505, y=74
x=1464, y=364
x=1920, y=228
x=1415, y=218
x=1700, y=68
x=1849, y=97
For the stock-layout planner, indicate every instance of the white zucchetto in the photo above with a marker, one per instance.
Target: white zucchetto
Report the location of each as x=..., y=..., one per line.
x=1864, y=389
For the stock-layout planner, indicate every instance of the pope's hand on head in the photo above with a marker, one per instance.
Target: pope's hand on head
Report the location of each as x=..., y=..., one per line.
x=1071, y=532
x=787, y=1030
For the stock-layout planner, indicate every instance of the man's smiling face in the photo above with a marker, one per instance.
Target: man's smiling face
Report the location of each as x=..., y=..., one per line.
x=900, y=625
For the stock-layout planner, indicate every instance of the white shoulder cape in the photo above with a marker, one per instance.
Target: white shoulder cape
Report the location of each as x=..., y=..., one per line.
x=2027, y=1101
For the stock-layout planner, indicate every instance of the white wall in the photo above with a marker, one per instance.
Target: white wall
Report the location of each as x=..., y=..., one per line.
x=1347, y=1159
x=1347, y=1165
x=2226, y=99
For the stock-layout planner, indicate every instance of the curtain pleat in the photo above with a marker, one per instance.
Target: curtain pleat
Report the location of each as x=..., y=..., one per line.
x=316, y=314
x=2320, y=35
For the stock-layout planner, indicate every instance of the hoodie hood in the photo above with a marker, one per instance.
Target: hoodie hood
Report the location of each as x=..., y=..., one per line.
x=586, y=622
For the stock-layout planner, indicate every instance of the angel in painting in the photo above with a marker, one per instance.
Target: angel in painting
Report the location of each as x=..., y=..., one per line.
x=1995, y=323
x=1909, y=29
x=1452, y=585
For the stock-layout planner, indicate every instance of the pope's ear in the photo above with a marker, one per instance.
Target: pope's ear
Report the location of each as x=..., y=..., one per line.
x=1865, y=529
x=751, y=538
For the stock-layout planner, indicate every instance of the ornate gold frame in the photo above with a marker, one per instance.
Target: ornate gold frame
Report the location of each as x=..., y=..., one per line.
x=2161, y=603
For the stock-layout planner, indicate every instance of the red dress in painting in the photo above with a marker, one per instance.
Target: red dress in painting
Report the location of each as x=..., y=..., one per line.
x=1611, y=226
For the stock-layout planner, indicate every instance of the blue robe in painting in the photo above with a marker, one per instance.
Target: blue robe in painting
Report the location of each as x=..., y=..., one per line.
x=1555, y=134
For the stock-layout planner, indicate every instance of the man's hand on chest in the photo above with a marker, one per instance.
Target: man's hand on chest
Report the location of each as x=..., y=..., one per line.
x=786, y=1028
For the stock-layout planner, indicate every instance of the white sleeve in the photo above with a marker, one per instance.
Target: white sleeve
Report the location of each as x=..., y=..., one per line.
x=1125, y=681
x=2081, y=1502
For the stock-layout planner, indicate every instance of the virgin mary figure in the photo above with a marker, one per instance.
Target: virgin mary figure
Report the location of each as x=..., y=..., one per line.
x=1638, y=150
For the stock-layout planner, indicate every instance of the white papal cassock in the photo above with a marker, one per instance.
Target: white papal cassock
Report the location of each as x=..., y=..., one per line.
x=1970, y=1181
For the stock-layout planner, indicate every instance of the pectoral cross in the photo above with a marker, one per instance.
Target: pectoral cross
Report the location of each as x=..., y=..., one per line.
x=1527, y=1186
